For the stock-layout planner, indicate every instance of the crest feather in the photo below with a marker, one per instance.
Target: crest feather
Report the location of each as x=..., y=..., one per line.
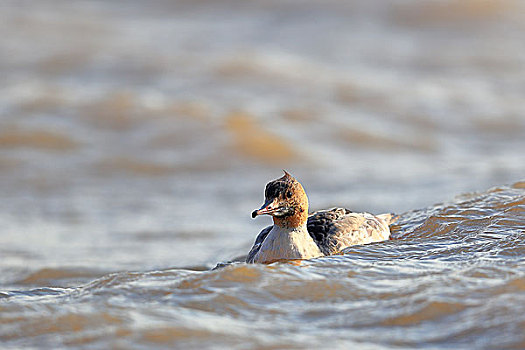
x=287, y=175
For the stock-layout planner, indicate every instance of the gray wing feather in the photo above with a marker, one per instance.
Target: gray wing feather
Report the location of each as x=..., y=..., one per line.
x=257, y=245
x=337, y=228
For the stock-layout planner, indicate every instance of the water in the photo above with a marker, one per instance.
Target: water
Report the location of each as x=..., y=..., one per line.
x=135, y=140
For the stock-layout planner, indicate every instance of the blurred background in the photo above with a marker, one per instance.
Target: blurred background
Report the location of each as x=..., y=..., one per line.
x=140, y=135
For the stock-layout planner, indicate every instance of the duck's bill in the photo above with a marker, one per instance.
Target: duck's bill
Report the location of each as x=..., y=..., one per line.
x=269, y=207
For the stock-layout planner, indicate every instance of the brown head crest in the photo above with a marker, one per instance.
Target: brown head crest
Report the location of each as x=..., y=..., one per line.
x=287, y=176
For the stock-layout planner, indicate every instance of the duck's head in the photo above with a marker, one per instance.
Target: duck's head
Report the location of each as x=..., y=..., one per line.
x=285, y=201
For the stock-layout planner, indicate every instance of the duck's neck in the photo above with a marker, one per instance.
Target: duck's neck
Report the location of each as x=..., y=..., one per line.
x=284, y=243
x=292, y=222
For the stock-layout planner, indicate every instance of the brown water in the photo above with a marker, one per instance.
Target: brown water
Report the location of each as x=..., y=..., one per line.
x=136, y=138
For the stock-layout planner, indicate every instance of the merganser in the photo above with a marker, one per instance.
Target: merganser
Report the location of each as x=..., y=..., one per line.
x=297, y=235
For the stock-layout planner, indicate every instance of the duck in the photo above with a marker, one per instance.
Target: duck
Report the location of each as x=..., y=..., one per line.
x=297, y=235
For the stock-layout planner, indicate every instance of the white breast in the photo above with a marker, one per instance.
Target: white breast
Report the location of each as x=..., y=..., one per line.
x=284, y=243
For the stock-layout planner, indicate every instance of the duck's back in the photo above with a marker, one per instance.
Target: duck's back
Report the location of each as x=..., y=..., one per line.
x=337, y=228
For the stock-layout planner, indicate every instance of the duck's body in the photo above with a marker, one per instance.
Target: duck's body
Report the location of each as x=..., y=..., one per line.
x=296, y=235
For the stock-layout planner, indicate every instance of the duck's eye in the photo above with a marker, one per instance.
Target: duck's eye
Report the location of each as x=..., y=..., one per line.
x=288, y=194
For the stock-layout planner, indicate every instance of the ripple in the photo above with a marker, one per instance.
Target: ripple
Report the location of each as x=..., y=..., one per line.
x=254, y=142
x=50, y=276
x=46, y=140
x=430, y=311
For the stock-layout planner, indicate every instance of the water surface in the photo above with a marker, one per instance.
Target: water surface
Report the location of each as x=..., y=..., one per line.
x=136, y=139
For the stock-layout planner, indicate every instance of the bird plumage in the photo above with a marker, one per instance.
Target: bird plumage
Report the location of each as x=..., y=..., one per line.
x=297, y=235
